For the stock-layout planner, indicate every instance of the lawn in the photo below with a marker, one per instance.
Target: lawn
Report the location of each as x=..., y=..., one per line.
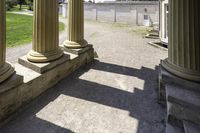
x=19, y=29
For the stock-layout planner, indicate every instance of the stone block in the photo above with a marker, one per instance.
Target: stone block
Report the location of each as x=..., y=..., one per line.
x=9, y=103
x=183, y=103
x=43, y=67
x=77, y=51
x=161, y=87
x=166, y=77
x=35, y=84
x=190, y=127
x=173, y=129
x=14, y=81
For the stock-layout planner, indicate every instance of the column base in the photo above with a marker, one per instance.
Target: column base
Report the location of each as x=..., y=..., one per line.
x=181, y=72
x=6, y=71
x=78, y=51
x=36, y=57
x=75, y=45
x=13, y=81
x=45, y=66
x=166, y=77
x=181, y=96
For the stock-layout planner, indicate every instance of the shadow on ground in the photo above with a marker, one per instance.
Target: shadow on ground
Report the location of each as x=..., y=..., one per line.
x=138, y=103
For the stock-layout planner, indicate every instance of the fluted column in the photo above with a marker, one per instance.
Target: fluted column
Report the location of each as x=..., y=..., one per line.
x=6, y=70
x=75, y=25
x=184, y=35
x=45, y=32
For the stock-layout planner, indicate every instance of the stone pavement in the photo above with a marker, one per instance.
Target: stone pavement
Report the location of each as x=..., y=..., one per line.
x=114, y=94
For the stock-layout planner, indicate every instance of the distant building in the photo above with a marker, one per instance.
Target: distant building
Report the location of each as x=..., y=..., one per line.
x=164, y=21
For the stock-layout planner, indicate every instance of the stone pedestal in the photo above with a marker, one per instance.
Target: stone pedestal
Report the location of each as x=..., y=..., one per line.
x=43, y=67
x=184, y=42
x=45, y=32
x=6, y=70
x=75, y=24
x=77, y=51
x=166, y=77
x=180, y=73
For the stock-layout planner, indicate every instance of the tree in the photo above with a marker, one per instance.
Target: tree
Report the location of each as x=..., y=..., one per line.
x=10, y=4
x=21, y=2
x=30, y=4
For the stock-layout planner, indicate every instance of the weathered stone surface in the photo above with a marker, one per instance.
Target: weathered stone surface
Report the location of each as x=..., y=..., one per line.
x=166, y=77
x=9, y=104
x=116, y=95
x=173, y=129
x=183, y=103
x=35, y=83
x=183, y=96
x=14, y=81
x=77, y=51
x=190, y=127
x=42, y=67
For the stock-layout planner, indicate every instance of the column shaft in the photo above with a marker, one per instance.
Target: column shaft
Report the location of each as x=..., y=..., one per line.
x=184, y=44
x=6, y=70
x=75, y=25
x=45, y=32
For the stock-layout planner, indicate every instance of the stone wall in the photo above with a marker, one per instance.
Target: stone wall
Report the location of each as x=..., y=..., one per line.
x=127, y=13
x=33, y=84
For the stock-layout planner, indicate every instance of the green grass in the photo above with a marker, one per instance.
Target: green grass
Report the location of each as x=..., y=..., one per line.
x=19, y=29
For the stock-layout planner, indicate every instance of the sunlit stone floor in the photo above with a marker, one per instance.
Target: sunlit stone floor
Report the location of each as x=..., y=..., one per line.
x=114, y=94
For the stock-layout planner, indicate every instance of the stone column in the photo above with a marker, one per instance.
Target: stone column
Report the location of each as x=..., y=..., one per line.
x=184, y=36
x=6, y=70
x=75, y=31
x=45, y=32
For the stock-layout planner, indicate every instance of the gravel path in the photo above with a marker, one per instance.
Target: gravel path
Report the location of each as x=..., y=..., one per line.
x=115, y=94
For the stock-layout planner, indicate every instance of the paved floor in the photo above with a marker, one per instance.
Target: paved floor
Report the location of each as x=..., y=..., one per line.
x=115, y=94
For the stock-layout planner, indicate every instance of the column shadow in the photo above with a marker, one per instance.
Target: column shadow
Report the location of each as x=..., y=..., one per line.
x=141, y=104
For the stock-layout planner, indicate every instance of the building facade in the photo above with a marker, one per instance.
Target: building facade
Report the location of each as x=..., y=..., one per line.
x=142, y=13
x=164, y=11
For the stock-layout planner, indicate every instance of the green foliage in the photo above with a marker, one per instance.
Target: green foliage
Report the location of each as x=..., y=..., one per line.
x=10, y=4
x=19, y=29
x=30, y=4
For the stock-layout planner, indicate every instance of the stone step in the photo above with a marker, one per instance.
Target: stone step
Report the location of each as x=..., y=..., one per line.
x=183, y=103
x=173, y=129
x=190, y=127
